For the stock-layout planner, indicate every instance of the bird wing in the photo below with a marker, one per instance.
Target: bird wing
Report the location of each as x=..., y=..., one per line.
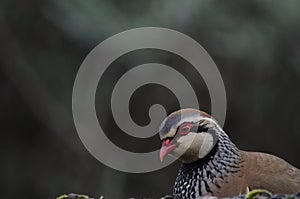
x=265, y=171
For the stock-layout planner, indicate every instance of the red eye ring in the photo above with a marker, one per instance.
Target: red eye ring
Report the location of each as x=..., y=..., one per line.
x=185, y=128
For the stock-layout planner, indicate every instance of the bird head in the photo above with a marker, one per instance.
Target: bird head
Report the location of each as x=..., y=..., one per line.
x=188, y=134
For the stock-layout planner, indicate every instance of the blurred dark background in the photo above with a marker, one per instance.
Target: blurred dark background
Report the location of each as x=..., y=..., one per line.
x=255, y=44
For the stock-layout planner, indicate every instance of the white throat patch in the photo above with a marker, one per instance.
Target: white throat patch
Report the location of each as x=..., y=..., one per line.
x=207, y=145
x=199, y=144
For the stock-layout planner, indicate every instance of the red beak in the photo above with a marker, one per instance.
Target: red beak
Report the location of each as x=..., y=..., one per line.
x=166, y=148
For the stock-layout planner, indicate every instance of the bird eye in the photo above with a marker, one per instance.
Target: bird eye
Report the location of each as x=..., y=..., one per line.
x=185, y=129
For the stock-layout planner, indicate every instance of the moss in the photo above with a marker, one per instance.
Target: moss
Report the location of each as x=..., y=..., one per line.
x=258, y=193
x=62, y=197
x=73, y=196
x=254, y=194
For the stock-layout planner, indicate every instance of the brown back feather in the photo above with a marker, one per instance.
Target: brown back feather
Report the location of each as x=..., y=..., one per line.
x=265, y=171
